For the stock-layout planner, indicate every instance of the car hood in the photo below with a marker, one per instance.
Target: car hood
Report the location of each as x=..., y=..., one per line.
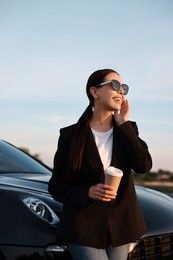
x=157, y=209
x=37, y=182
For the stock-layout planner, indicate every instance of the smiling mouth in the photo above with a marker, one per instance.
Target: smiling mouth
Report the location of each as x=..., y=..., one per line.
x=118, y=99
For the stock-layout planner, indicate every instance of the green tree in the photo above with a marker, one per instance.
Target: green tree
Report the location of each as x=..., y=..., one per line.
x=26, y=150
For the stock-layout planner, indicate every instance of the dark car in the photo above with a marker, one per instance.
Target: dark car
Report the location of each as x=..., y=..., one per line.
x=29, y=215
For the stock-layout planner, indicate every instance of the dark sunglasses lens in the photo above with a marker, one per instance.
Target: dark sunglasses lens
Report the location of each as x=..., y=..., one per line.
x=125, y=88
x=116, y=85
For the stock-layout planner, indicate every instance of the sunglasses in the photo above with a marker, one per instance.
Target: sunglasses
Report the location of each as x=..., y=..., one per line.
x=116, y=85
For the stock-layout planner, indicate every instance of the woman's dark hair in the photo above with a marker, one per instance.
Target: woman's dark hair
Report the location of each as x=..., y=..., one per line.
x=79, y=137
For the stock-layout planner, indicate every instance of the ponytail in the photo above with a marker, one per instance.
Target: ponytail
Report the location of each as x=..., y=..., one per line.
x=79, y=138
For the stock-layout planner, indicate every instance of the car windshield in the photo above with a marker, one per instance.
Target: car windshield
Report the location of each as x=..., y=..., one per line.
x=13, y=160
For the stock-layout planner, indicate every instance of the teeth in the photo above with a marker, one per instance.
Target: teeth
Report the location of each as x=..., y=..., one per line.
x=117, y=99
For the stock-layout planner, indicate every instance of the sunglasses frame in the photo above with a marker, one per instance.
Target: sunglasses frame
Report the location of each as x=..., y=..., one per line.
x=116, y=85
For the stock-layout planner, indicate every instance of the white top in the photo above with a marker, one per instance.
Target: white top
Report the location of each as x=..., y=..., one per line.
x=104, y=141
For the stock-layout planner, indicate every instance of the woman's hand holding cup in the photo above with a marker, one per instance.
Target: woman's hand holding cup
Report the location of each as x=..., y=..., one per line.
x=102, y=192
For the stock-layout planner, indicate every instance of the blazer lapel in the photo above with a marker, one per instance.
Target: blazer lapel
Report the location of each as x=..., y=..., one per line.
x=114, y=161
x=91, y=152
x=115, y=151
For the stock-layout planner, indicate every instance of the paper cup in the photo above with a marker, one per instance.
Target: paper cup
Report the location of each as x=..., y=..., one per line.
x=113, y=177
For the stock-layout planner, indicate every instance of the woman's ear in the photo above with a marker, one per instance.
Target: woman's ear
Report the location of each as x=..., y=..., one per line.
x=93, y=92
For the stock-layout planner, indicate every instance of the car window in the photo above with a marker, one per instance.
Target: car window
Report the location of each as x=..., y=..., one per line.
x=13, y=160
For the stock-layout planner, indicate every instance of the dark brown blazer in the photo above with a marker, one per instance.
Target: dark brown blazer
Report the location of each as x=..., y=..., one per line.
x=90, y=222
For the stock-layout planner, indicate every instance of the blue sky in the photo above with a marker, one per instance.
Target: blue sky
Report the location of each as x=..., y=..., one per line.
x=49, y=48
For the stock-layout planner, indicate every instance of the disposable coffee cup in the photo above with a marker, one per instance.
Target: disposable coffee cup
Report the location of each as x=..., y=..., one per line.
x=113, y=177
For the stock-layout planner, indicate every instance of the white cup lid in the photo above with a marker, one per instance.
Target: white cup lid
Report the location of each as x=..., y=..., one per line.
x=114, y=171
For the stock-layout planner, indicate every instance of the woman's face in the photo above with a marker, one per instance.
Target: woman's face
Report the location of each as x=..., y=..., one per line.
x=106, y=97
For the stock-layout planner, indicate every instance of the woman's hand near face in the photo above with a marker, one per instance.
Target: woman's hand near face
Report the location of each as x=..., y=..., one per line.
x=123, y=115
x=102, y=192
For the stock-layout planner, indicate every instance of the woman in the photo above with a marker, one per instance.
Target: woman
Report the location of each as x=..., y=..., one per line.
x=96, y=223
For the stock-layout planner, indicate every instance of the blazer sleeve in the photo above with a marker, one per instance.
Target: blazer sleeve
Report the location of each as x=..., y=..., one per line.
x=136, y=148
x=63, y=188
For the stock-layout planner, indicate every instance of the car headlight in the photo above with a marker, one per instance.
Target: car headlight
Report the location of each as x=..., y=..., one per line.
x=41, y=209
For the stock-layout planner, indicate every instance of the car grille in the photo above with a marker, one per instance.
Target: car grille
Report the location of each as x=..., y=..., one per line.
x=151, y=248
